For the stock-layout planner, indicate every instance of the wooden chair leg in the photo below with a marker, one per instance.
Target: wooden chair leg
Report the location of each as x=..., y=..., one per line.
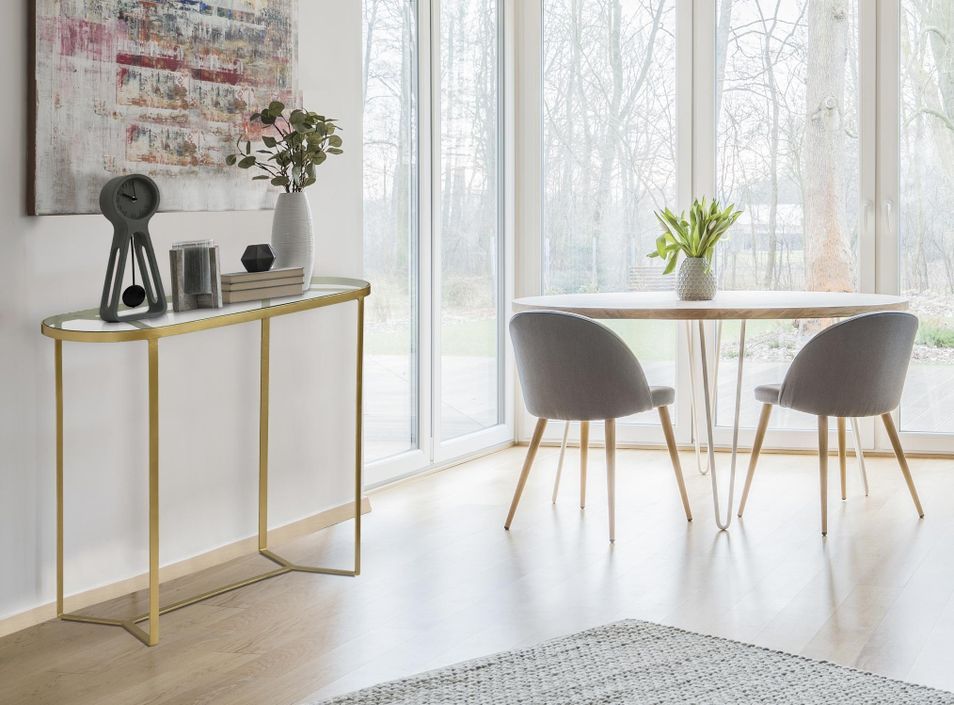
x=584, y=450
x=527, y=464
x=902, y=461
x=843, y=456
x=559, y=472
x=756, y=449
x=823, y=470
x=611, y=475
x=666, y=422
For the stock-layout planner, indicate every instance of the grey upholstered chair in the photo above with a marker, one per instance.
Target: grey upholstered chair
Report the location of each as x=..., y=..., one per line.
x=855, y=368
x=574, y=369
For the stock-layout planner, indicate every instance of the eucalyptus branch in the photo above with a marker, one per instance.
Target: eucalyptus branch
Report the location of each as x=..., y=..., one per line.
x=304, y=144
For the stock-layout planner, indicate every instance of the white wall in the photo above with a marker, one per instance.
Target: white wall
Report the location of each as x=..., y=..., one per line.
x=208, y=381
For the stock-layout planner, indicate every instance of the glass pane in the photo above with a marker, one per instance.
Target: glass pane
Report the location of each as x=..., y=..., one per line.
x=787, y=143
x=469, y=217
x=926, y=223
x=609, y=131
x=390, y=227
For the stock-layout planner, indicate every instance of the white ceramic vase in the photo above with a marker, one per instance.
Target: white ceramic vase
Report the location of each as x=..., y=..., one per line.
x=695, y=280
x=293, y=235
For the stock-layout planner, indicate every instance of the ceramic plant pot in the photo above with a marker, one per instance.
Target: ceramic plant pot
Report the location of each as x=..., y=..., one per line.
x=293, y=236
x=695, y=280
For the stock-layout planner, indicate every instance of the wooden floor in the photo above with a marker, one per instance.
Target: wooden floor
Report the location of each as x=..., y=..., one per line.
x=444, y=582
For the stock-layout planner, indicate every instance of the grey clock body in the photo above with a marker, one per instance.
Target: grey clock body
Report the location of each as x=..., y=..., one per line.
x=128, y=202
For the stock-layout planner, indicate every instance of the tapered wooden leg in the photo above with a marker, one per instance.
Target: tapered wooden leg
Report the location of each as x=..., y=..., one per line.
x=756, y=449
x=843, y=457
x=666, y=422
x=902, y=461
x=611, y=475
x=823, y=470
x=527, y=464
x=584, y=450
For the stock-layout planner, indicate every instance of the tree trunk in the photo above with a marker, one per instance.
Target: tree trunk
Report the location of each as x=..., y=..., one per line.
x=722, y=48
x=827, y=250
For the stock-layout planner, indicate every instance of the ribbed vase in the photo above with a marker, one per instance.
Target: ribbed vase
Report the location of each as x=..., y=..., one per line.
x=293, y=235
x=695, y=280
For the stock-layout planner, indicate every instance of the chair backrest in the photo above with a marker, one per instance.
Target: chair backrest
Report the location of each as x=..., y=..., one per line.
x=573, y=368
x=854, y=368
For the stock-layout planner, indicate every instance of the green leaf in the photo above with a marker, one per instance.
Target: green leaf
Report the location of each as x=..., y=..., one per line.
x=247, y=162
x=269, y=142
x=280, y=181
x=671, y=264
x=261, y=177
x=231, y=159
x=276, y=107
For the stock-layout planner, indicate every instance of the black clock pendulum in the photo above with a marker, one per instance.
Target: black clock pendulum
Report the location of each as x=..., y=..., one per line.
x=129, y=202
x=133, y=295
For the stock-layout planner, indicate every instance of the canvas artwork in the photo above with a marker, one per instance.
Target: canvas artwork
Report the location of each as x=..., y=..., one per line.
x=159, y=87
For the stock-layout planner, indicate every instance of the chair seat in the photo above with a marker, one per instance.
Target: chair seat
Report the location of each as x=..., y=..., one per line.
x=768, y=393
x=662, y=396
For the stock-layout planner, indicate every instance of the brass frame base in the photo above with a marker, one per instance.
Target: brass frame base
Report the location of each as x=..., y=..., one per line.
x=152, y=336
x=132, y=625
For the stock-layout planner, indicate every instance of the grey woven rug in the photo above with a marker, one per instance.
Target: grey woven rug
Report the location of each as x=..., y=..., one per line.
x=638, y=662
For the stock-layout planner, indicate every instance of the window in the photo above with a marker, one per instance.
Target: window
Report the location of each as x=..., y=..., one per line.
x=470, y=222
x=391, y=227
x=925, y=220
x=434, y=229
x=786, y=98
x=609, y=154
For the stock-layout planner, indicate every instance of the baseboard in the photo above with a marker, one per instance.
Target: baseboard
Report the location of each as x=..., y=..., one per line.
x=217, y=556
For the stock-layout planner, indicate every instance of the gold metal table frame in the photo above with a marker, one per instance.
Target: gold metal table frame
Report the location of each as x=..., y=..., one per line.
x=86, y=327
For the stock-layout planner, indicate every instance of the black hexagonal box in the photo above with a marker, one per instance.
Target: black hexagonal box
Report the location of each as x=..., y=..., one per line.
x=258, y=258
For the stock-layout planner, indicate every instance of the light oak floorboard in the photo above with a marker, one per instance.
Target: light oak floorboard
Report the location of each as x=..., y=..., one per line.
x=444, y=582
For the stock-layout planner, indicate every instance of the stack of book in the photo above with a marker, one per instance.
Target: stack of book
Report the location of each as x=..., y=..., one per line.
x=252, y=286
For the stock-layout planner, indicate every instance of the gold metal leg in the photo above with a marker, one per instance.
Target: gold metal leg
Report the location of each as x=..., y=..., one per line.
x=843, y=456
x=902, y=461
x=756, y=449
x=287, y=565
x=153, y=492
x=263, y=438
x=666, y=423
x=584, y=451
x=525, y=472
x=58, y=375
x=823, y=470
x=358, y=438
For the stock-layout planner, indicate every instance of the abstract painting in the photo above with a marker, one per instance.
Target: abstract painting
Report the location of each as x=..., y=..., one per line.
x=158, y=87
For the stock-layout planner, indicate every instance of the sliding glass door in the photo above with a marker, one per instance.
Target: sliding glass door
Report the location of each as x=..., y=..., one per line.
x=391, y=229
x=434, y=232
x=470, y=218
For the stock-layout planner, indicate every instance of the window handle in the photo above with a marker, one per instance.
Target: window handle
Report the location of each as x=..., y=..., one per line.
x=889, y=215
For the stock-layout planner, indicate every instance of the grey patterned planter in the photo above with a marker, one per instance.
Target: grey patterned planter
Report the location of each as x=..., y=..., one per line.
x=695, y=281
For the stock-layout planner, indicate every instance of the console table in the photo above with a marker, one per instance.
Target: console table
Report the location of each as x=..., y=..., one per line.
x=87, y=327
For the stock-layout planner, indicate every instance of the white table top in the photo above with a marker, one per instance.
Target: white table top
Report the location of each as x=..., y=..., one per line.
x=86, y=326
x=727, y=305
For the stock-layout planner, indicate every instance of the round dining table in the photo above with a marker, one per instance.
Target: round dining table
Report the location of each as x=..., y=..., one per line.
x=739, y=306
